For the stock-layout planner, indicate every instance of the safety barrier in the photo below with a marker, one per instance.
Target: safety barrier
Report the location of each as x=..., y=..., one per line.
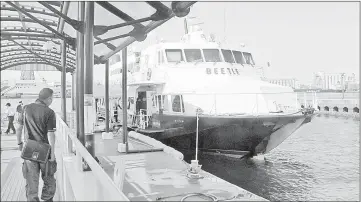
x=74, y=184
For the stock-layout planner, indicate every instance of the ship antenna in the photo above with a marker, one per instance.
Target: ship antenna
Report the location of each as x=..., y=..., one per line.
x=185, y=26
x=224, y=23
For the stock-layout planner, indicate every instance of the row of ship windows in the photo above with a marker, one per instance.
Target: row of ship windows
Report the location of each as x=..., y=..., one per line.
x=193, y=55
x=206, y=55
x=161, y=102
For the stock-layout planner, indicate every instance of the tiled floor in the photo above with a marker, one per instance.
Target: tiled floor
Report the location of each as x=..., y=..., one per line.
x=12, y=181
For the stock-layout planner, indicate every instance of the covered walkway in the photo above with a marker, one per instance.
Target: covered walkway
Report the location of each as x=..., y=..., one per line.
x=71, y=37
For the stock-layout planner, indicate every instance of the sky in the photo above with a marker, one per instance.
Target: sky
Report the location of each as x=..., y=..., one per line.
x=297, y=38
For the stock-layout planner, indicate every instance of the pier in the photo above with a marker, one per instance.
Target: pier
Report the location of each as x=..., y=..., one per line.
x=95, y=163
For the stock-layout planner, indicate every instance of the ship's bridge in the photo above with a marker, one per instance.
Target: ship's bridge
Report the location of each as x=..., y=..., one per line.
x=194, y=47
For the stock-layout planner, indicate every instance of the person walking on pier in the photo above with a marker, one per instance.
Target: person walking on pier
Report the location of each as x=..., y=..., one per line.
x=10, y=112
x=38, y=119
x=19, y=110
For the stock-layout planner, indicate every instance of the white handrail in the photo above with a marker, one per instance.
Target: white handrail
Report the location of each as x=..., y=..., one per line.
x=106, y=182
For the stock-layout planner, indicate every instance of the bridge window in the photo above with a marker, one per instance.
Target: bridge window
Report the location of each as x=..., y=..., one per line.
x=165, y=102
x=228, y=57
x=177, y=103
x=327, y=109
x=335, y=109
x=239, y=57
x=211, y=55
x=249, y=58
x=174, y=55
x=356, y=109
x=193, y=55
x=160, y=57
x=345, y=109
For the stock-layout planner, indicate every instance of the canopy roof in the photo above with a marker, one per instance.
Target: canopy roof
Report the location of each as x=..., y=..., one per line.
x=31, y=32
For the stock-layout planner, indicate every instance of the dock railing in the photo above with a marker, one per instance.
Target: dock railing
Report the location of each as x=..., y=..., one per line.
x=75, y=184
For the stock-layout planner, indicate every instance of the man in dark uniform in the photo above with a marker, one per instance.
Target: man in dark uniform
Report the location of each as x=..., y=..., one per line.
x=19, y=111
x=38, y=118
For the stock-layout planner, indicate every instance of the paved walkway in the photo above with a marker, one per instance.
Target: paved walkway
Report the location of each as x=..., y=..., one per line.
x=12, y=181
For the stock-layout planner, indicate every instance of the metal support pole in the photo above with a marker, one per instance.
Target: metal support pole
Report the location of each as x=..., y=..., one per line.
x=107, y=96
x=63, y=80
x=80, y=76
x=89, y=111
x=73, y=89
x=124, y=98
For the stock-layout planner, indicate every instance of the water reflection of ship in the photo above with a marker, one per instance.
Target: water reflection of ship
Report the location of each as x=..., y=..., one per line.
x=238, y=111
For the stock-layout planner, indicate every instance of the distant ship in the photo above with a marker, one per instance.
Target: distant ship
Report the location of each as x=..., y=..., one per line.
x=23, y=88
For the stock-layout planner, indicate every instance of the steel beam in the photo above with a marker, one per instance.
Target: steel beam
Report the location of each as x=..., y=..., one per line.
x=32, y=39
x=162, y=13
x=28, y=29
x=109, y=45
x=5, y=67
x=89, y=44
x=28, y=34
x=80, y=76
x=19, y=55
x=29, y=9
x=64, y=10
x=17, y=19
x=108, y=6
x=88, y=88
x=111, y=38
x=124, y=98
x=110, y=27
x=107, y=96
x=148, y=28
x=32, y=57
x=63, y=80
x=4, y=58
x=73, y=91
x=41, y=23
x=74, y=23
x=25, y=44
x=54, y=3
x=34, y=53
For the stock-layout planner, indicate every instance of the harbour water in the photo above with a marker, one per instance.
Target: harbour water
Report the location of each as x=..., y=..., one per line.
x=320, y=161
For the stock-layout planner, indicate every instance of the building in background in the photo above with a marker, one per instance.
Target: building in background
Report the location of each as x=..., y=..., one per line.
x=293, y=83
x=333, y=81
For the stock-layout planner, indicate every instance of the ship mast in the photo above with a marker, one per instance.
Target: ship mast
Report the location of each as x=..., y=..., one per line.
x=185, y=26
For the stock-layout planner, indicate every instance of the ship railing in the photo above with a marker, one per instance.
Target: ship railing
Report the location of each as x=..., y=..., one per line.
x=226, y=103
x=74, y=183
x=140, y=120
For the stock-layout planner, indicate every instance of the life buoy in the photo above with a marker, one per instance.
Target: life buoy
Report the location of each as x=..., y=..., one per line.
x=149, y=74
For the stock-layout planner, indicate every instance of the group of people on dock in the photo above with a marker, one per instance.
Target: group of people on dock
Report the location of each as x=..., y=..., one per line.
x=11, y=115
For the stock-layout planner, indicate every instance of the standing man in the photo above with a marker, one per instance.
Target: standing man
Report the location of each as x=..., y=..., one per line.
x=10, y=112
x=19, y=108
x=19, y=111
x=39, y=119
